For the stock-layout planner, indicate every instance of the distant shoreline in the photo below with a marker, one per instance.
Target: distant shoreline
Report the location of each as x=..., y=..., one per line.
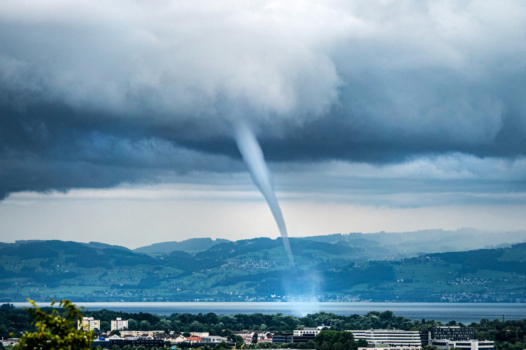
x=444, y=312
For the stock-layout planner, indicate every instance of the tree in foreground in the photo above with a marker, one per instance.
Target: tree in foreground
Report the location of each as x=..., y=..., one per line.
x=55, y=332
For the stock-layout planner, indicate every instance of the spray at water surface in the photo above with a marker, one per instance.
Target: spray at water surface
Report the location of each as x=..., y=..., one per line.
x=255, y=160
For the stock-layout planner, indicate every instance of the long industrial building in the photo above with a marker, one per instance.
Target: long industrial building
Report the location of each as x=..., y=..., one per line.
x=306, y=332
x=446, y=337
x=451, y=333
x=392, y=337
x=472, y=344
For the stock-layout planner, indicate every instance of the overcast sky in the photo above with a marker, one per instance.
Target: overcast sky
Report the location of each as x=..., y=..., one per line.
x=116, y=117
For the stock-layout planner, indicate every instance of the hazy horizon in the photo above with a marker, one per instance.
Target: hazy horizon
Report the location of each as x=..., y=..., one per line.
x=464, y=230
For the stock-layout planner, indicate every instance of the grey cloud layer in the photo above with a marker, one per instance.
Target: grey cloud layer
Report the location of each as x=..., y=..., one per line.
x=101, y=92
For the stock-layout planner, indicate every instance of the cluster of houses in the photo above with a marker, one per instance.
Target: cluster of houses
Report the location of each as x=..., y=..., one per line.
x=89, y=323
x=174, y=338
x=159, y=338
x=262, y=337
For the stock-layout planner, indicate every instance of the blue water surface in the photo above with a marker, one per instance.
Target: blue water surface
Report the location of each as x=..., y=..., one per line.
x=445, y=312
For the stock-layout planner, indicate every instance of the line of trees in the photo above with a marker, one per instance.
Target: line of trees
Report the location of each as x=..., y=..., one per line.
x=214, y=324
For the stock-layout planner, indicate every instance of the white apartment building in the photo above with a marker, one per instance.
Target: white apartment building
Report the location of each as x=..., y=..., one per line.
x=306, y=332
x=472, y=344
x=89, y=323
x=118, y=324
x=389, y=337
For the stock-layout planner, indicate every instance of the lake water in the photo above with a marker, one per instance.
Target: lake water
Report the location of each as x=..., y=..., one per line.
x=460, y=312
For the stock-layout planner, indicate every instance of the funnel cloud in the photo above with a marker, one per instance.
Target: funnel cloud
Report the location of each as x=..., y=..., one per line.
x=255, y=160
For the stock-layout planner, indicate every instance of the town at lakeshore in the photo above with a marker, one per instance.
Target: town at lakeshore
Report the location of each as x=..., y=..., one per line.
x=375, y=330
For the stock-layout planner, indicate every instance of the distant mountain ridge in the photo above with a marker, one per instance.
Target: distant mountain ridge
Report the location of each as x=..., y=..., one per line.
x=192, y=245
x=427, y=241
x=97, y=245
x=392, y=244
x=377, y=246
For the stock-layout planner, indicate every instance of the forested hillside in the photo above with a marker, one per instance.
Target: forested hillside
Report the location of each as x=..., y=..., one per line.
x=257, y=270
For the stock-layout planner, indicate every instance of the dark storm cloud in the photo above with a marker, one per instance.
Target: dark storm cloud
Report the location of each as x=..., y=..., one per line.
x=390, y=117
x=48, y=147
x=414, y=113
x=101, y=93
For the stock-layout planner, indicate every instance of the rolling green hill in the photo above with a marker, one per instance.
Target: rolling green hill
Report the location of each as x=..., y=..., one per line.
x=257, y=269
